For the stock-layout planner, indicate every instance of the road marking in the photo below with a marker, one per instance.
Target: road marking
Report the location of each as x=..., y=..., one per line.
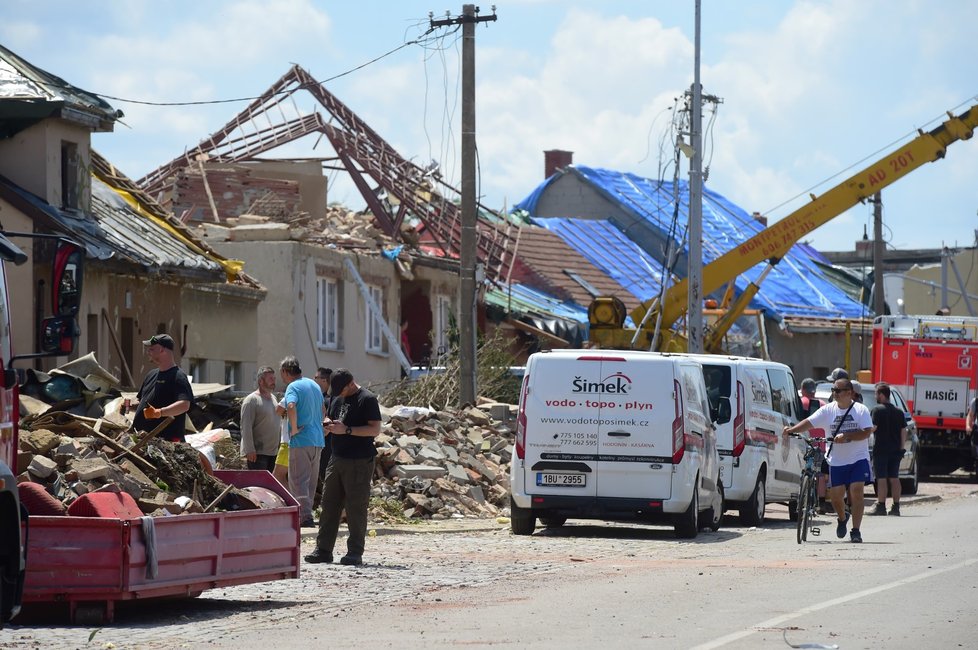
x=784, y=618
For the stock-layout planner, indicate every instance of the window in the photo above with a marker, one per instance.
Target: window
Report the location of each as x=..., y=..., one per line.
x=327, y=313
x=782, y=391
x=69, y=175
x=232, y=373
x=197, y=374
x=375, y=333
x=444, y=324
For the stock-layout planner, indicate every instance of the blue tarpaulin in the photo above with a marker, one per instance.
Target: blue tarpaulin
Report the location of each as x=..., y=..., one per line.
x=796, y=286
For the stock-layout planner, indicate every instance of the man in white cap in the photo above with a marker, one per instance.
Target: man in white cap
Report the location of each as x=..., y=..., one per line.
x=165, y=392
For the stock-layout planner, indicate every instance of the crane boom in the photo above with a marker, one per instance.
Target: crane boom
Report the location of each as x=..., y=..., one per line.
x=774, y=242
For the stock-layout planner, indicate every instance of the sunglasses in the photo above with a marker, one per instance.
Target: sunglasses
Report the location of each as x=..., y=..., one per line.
x=841, y=390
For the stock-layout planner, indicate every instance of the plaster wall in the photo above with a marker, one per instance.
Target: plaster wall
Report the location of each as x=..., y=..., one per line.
x=32, y=159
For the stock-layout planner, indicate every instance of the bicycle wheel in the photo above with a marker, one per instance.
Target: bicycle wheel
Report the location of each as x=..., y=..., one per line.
x=804, y=512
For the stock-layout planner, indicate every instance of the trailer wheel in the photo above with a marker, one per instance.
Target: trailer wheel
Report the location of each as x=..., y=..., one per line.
x=91, y=613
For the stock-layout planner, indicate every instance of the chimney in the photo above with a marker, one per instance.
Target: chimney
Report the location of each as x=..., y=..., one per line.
x=555, y=160
x=760, y=218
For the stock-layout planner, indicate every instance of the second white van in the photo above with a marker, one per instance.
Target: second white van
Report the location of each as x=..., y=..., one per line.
x=753, y=400
x=615, y=435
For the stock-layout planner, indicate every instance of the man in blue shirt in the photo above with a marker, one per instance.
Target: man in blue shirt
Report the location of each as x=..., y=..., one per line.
x=304, y=409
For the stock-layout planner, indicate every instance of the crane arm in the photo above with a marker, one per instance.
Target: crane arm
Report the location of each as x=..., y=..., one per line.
x=774, y=242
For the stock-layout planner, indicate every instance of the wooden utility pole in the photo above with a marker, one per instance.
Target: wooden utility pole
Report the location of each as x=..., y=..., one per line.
x=879, y=299
x=469, y=255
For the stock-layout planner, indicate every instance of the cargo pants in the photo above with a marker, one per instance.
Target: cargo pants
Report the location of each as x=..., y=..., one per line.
x=346, y=485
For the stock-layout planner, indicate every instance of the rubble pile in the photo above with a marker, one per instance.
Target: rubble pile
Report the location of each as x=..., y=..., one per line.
x=339, y=226
x=444, y=464
x=71, y=455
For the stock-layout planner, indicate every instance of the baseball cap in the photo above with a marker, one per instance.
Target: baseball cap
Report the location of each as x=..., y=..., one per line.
x=160, y=339
x=838, y=373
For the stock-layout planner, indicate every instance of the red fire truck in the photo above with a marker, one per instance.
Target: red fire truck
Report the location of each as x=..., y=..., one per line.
x=933, y=361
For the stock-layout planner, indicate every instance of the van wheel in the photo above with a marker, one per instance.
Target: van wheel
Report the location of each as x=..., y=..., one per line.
x=521, y=520
x=553, y=522
x=909, y=485
x=714, y=514
x=687, y=523
x=793, y=510
x=752, y=514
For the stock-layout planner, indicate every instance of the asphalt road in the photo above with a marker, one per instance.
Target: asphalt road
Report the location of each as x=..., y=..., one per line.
x=913, y=583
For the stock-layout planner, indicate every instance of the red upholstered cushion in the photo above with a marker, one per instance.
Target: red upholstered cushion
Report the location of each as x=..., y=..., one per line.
x=38, y=501
x=113, y=505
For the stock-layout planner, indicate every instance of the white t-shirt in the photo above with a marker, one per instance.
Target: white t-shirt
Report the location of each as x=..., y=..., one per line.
x=859, y=418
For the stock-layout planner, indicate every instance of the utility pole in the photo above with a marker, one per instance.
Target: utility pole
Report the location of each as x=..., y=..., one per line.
x=694, y=311
x=879, y=299
x=469, y=257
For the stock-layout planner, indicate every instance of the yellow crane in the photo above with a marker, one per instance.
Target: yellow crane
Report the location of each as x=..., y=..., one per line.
x=606, y=314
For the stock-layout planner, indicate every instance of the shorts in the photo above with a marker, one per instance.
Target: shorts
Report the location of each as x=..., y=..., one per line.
x=887, y=464
x=858, y=472
x=282, y=458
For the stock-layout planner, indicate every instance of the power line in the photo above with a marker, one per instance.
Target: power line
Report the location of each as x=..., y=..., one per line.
x=421, y=40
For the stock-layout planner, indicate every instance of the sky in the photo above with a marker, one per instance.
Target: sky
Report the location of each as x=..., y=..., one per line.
x=811, y=90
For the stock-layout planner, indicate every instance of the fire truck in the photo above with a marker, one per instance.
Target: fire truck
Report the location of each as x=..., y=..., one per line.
x=933, y=361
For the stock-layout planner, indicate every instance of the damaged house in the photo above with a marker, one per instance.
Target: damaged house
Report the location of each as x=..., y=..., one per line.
x=144, y=272
x=805, y=316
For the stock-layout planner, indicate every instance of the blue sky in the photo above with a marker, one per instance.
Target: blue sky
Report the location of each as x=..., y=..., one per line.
x=809, y=88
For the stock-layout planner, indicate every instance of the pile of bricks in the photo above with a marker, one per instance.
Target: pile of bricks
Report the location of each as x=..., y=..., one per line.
x=445, y=464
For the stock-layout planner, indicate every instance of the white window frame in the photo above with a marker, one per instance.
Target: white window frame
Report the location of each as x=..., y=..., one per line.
x=444, y=309
x=327, y=313
x=374, y=334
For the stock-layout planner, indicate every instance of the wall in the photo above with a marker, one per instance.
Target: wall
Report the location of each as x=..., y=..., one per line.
x=222, y=328
x=287, y=317
x=816, y=354
x=32, y=159
x=926, y=299
x=272, y=264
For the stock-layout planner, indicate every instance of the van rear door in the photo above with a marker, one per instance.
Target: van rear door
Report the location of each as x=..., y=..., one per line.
x=638, y=404
x=561, y=437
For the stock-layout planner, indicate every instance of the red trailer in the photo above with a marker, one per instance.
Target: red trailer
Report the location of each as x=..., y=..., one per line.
x=90, y=563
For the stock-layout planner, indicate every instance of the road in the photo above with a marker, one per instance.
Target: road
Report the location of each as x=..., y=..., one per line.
x=912, y=583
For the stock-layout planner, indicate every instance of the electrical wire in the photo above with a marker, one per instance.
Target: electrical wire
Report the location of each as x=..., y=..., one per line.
x=421, y=40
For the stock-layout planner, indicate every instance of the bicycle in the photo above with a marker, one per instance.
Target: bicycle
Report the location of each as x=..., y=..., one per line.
x=808, y=488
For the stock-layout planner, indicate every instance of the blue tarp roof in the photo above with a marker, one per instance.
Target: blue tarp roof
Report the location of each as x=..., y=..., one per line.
x=796, y=286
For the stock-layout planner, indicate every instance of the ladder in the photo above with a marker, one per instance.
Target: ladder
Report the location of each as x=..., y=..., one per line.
x=376, y=312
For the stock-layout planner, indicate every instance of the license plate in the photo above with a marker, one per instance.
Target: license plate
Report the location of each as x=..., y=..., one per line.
x=561, y=480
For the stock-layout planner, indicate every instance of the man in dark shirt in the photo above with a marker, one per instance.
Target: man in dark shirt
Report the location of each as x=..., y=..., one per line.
x=891, y=436
x=165, y=392
x=354, y=421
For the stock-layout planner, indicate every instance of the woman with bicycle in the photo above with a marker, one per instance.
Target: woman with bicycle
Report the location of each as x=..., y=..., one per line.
x=848, y=454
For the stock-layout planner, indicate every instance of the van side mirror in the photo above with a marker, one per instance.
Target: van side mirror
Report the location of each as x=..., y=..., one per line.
x=66, y=279
x=58, y=335
x=720, y=411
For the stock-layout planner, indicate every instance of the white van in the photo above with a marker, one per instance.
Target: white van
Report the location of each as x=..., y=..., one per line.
x=615, y=435
x=753, y=400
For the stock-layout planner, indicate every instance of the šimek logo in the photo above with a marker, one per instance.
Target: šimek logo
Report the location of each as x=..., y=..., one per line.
x=616, y=384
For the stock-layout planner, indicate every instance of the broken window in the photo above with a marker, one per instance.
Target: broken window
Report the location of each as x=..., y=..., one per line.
x=375, y=333
x=444, y=325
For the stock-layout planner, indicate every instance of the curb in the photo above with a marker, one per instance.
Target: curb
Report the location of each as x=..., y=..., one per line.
x=418, y=529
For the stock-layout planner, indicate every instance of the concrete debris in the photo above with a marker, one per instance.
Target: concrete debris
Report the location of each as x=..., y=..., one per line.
x=444, y=464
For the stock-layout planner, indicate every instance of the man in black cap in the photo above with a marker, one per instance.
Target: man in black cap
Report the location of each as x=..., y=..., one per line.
x=165, y=392
x=355, y=423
